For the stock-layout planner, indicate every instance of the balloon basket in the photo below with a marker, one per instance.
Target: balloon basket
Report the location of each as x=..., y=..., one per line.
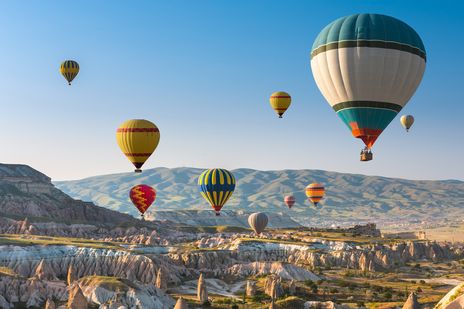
x=138, y=170
x=366, y=156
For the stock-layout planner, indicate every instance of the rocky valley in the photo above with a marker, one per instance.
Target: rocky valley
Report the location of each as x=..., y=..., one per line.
x=57, y=252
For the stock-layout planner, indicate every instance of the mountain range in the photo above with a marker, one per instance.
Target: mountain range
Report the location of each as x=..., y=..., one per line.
x=349, y=197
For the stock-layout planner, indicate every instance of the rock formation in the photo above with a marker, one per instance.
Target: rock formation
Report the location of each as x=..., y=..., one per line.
x=250, y=288
x=454, y=299
x=71, y=277
x=181, y=304
x=26, y=192
x=412, y=302
x=50, y=304
x=43, y=271
x=272, y=305
x=273, y=287
x=162, y=279
x=76, y=298
x=202, y=292
x=113, y=292
x=3, y=303
x=32, y=291
x=281, y=259
x=323, y=305
x=292, y=287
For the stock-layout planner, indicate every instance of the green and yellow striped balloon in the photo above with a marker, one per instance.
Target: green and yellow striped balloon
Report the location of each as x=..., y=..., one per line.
x=69, y=69
x=216, y=186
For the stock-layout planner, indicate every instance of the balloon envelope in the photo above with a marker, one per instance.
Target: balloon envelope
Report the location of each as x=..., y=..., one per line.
x=367, y=67
x=315, y=192
x=138, y=139
x=69, y=69
x=142, y=196
x=407, y=121
x=289, y=201
x=216, y=186
x=280, y=101
x=258, y=222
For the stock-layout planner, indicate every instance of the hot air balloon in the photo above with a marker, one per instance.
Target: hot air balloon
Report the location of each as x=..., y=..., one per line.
x=69, y=69
x=289, y=201
x=138, y=139
x=142, y=196
x=367, y=67
x=258, y=222
x=280, y=101
x=407, y=121
x=216, y=186
x=315, y=193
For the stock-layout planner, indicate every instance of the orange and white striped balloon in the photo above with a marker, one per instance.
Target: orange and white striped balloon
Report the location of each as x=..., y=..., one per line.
x=315, y=192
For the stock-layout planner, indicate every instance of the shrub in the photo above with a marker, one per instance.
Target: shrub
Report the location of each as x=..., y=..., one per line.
x=314, y=288
x=387, y=295
x=309, y=283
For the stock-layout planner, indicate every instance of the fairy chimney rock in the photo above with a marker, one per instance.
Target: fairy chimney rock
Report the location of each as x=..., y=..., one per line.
x=162, y=279
x=43, y=271
x=412, y=302
x=77, y=299
x=50, y=304
x=250, y=288
x=202, y=293
x=181, y=304
x=71, y=277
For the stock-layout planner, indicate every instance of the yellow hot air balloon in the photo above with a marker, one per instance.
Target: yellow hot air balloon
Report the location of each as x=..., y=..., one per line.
x=315, y=192
x=280, y=101
x=69, y=69
x=138, y=139
x=407, y=121
x=216, y=186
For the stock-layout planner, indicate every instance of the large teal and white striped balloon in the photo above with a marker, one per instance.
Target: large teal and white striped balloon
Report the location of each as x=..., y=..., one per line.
x=367, y=67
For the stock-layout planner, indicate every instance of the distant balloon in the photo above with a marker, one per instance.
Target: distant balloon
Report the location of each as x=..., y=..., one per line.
x=367, y=66
x=138, y=139
x=289, y=201
x=280, y=101
x=142, y=196
x=258, y=222
x=216, y=187
x=69, y=69
x=315, y=192
x=407, y=121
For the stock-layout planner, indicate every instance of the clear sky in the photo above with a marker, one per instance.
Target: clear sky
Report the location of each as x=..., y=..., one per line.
x=203, y=72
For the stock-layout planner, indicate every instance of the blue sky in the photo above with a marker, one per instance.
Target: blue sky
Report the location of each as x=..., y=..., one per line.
x=203, y=72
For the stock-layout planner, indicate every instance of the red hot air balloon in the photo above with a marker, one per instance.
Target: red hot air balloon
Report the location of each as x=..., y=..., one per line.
x=289, y=201
x=142, y=196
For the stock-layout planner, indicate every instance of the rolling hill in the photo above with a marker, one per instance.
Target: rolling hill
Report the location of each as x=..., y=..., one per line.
x=350, y=198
